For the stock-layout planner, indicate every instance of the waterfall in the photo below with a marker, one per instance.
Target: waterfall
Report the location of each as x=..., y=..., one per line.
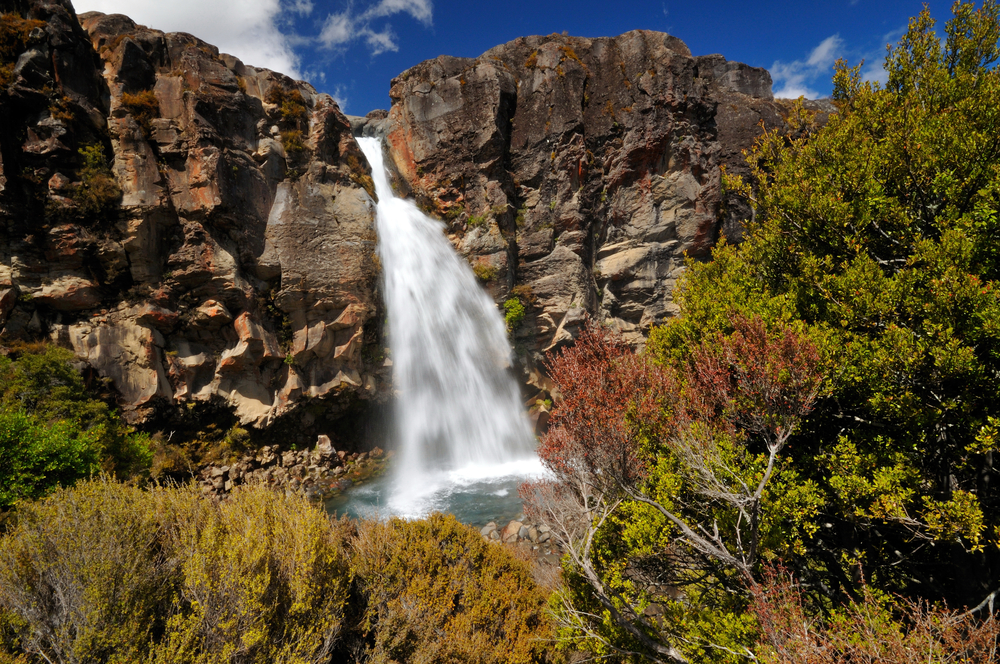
x=457, y=410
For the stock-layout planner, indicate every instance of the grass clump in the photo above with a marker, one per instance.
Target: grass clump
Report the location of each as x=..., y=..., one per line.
x=293, y=142
x=485, y=272
x=360, y=176
x=525, y=293
x=291, y=104
x=143, y=107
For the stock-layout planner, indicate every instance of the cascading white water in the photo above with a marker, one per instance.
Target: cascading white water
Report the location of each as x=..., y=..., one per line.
x=458, y=416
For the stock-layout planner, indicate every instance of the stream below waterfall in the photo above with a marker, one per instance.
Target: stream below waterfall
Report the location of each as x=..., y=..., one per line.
x=462, y=440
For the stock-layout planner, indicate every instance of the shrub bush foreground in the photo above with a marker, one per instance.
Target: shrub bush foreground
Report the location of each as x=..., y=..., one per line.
x=109, y=572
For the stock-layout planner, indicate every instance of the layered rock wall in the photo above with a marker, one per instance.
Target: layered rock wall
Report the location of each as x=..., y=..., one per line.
x=225, y=251
x=576, y=174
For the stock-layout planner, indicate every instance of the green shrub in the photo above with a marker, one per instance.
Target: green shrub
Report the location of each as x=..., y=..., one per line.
x=35, y=459
x=435, y=591
x=513, y=313
x=40, y=380
x=98, y=193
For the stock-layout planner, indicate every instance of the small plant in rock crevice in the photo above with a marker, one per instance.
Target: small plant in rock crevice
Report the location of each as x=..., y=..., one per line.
x=485, y=272
x=98, y=192
x=514, y=312
x=143, y=107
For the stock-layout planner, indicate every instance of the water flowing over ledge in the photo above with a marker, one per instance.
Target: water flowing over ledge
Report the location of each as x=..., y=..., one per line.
x=458, y=420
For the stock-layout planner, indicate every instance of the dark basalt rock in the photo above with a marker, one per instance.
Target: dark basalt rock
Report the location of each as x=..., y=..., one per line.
x=582, y=171
x=234, y=266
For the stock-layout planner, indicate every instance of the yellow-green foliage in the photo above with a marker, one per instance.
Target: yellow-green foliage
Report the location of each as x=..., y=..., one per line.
x=484, y=271
x=264, y=579
x=513, y=313
x=291, y=103
x=98, y=192
x=293, y=143
x=143, y=107
x=436, y=591
x=109, y=572
x=85, y=573
x=14, y=32
x=876, y=238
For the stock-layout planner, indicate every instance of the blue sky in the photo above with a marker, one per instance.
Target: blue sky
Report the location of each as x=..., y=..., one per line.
x=352, y=48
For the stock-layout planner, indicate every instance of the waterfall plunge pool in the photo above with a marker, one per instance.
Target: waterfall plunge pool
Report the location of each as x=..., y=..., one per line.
x=475, y=494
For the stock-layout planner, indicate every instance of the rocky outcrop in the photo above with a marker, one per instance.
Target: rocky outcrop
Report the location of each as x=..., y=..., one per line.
x=578, y=172
x=318, y=473
x=197, y=229
x=535, y=540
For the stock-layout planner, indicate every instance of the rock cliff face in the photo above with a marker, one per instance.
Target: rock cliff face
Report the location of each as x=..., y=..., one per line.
x=196, y=229
x=202, y=232
x=575, y=174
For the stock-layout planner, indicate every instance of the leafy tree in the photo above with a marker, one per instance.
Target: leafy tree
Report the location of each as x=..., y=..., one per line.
x=55, y=429
x=671, y=482
x=877, y=238
x=871, y=261
x=35, y=458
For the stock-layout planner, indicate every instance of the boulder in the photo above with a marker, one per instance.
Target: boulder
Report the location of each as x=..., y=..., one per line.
x=511, y=532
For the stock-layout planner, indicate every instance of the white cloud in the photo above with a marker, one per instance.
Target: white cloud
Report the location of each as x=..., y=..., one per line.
x=339, y=95
x=796, y=78
x=248, y=29
x=422, y=10
x=380, y=42
x=342, y=28
x=303, y=7
x=337, y=29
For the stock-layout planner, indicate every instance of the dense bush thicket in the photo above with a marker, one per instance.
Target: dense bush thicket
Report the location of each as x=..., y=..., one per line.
x=53, y=432
x=108, y=572
x=828, y=399
x=436, y=591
